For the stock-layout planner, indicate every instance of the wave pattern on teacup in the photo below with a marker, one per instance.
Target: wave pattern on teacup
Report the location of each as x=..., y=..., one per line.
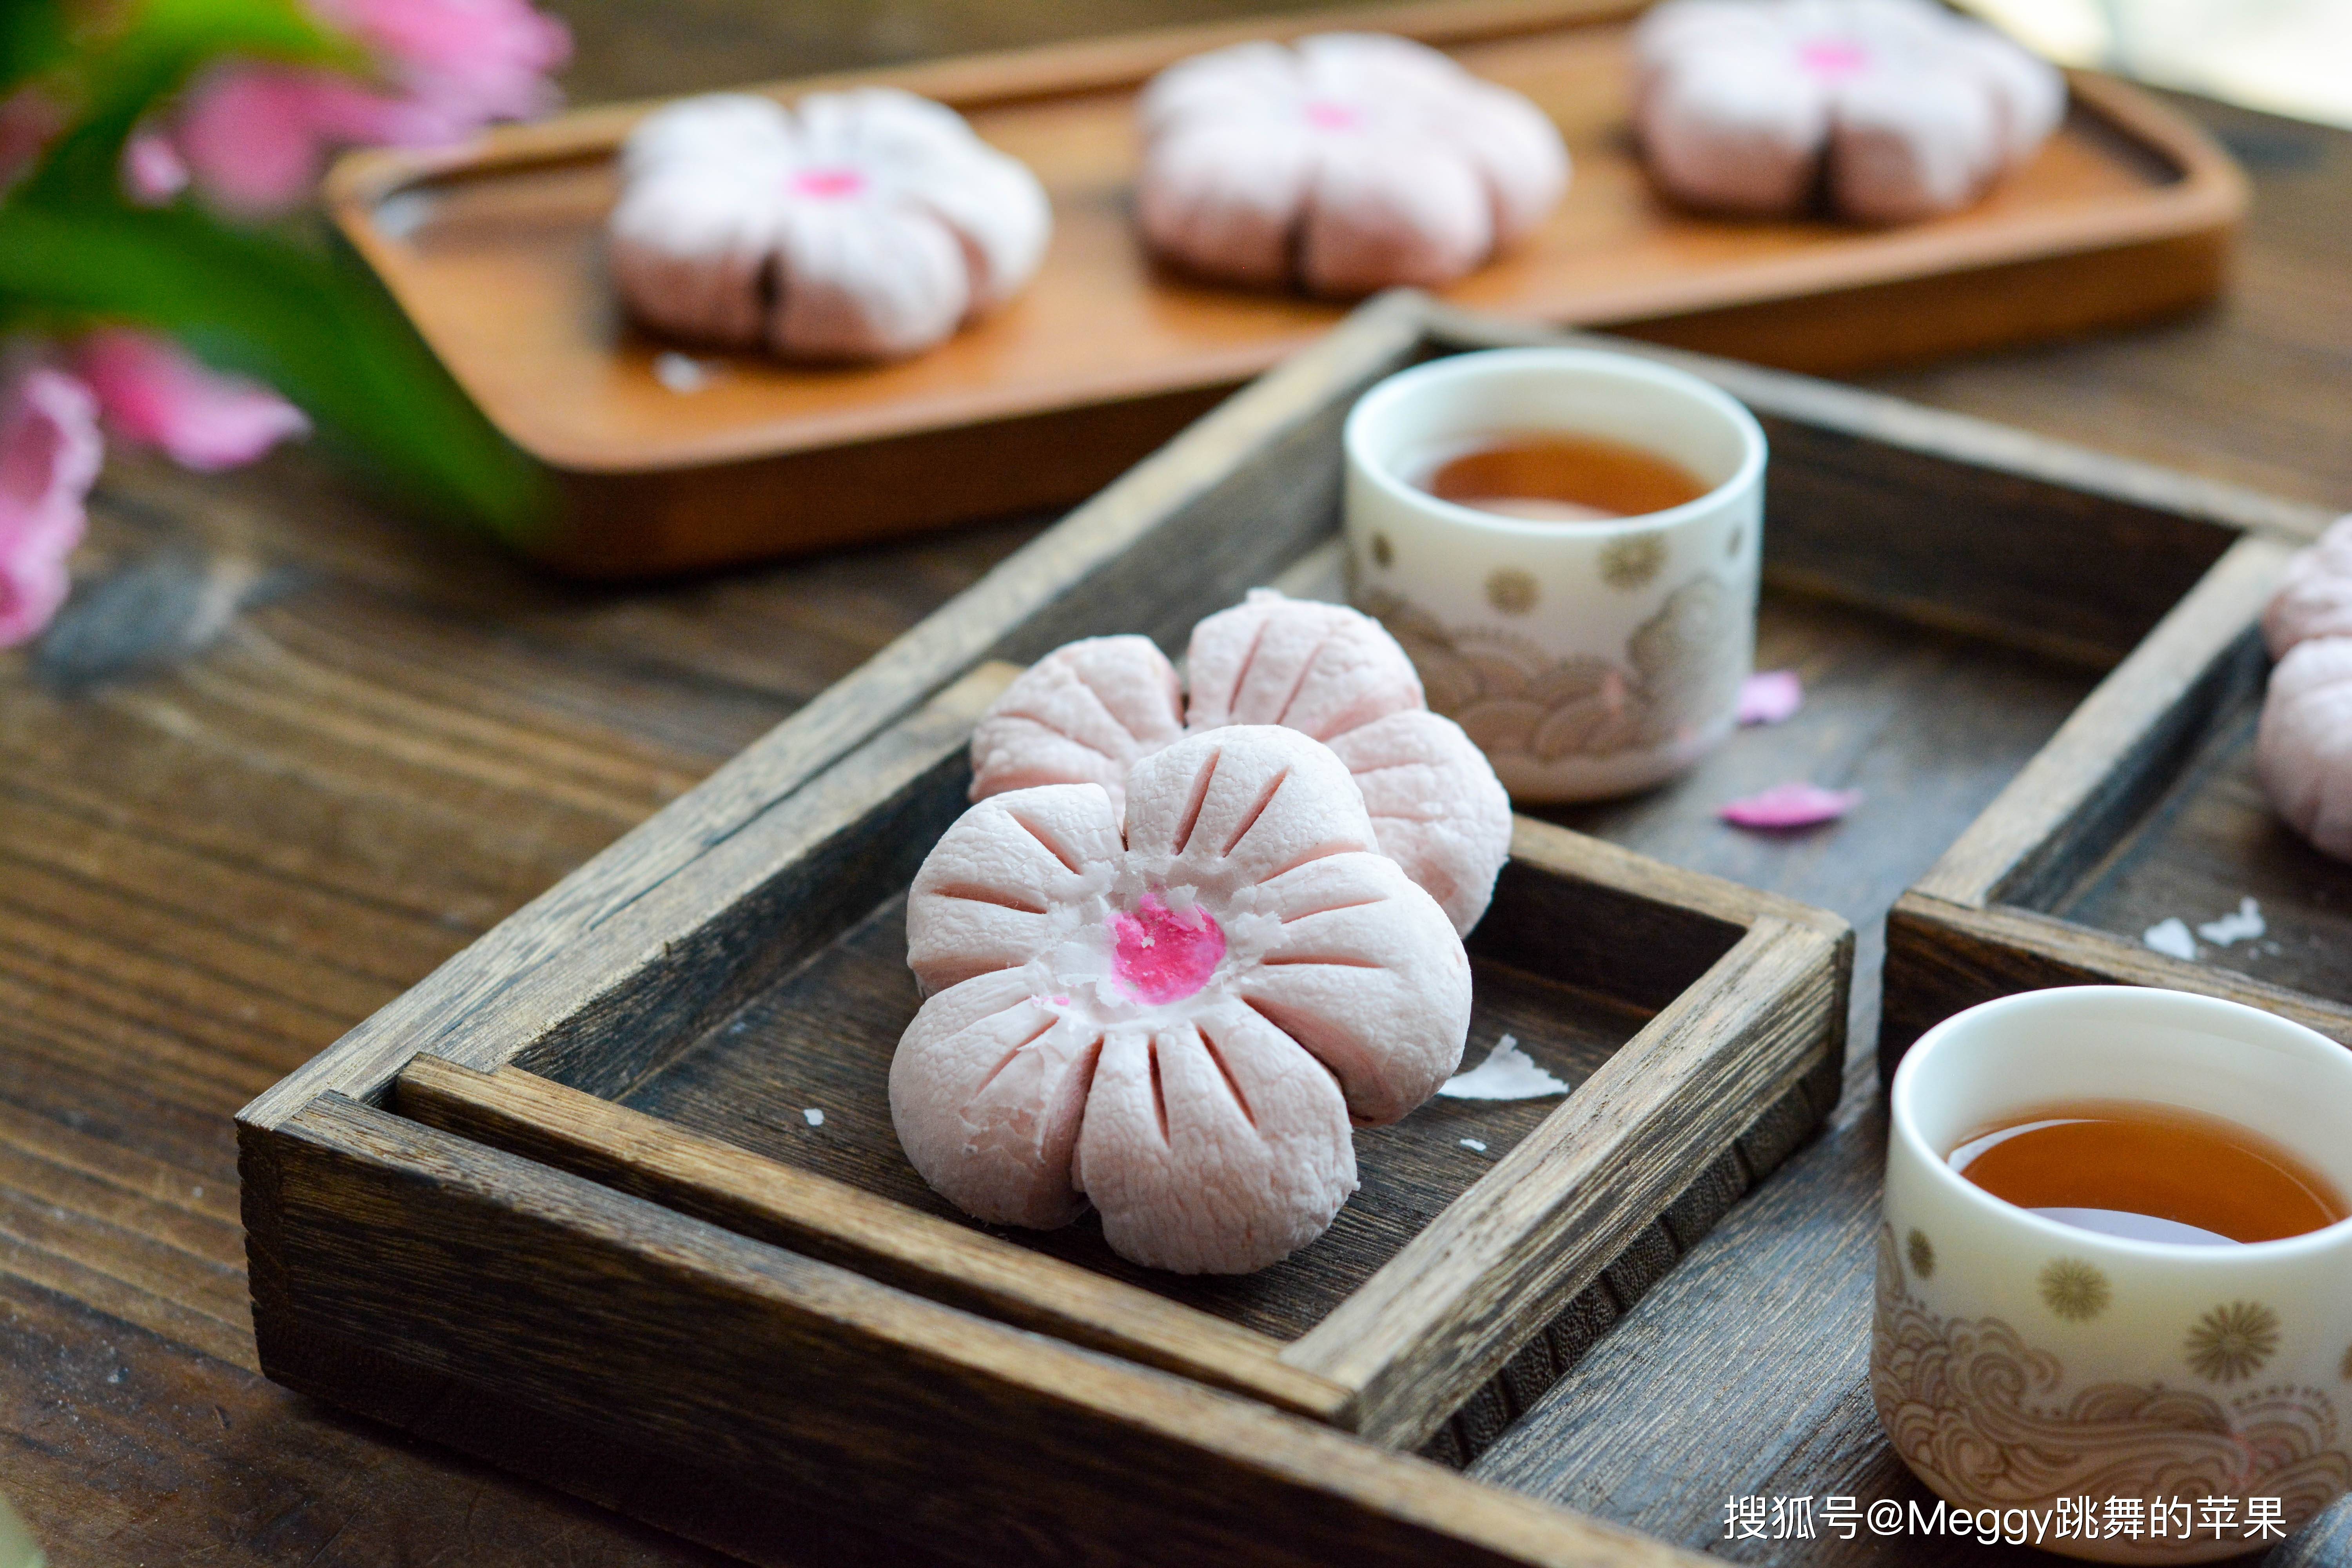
x=1510, y=697
x=1980, y=1413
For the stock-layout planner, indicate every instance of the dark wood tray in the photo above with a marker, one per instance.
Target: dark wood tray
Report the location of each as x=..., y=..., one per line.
x=495, y=252
x=1925, y=571
x=2144, y=808
x=1704, y=1024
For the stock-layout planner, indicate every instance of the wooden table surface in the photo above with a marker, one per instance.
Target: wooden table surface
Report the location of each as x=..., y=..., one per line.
x=289, y=752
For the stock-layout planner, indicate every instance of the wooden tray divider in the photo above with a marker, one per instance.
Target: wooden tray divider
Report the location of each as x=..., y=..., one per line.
x=1977, y=927
x=453, y=1227
x=738, y=1357
x=836, y=1222
x=1130, y=552
x=1660, y=1123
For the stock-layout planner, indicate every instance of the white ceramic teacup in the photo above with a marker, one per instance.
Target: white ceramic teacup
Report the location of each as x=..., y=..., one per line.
x=1586, y=660
x=2021, y=1363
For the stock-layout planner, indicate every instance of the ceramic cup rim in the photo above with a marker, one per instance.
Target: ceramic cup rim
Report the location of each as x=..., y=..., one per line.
x=2185, y=1007
x=1591, y=363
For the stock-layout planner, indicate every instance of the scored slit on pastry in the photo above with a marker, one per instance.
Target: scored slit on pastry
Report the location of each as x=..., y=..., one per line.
x=1176, y=1011
x=1091, y=710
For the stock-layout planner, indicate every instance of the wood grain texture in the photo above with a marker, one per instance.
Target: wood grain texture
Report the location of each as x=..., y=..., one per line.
x=496, y=253
x=1944, y=956
x=1465, y=1262
x=2127, y=738
x=1471, y=1289
x=238, y=853
x=1095, y=549
x=2143, y=808
x=1424, y=1302
x=834, y=1222
x=857, y=1388
x=2211, y=840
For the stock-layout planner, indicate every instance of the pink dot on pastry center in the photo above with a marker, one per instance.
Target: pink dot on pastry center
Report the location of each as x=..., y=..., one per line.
x=1325, y=115
x=1163, y=956
x=1833, y=57
x=827, y=184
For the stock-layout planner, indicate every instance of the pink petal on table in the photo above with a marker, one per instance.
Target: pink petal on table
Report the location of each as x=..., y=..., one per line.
x=1790, y=806
x=156, y=395
x=1770, y=696
x=49, y=454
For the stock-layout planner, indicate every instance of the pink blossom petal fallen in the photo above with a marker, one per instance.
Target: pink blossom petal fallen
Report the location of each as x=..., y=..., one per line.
x=1790, y=806
x=156, y=394
x=1770, y=696
x=49, y=454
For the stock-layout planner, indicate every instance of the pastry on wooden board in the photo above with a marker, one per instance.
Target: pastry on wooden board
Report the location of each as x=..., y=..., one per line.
x=1342, y=164
x=866, y=224
x=1890, y=110
x=2303, y=748
x=1175, y=1012
x=1089, y=712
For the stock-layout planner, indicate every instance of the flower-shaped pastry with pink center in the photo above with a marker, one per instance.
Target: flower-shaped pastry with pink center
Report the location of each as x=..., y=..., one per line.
x=1898, y=108
x=1346, y=162
x=1179, y=1018
x=1089, y=712
x=861, y=225
x=2303, y=748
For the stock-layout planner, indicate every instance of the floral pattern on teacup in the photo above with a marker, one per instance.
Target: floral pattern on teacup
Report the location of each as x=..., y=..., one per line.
x=1681, y=669
x=1984, y=1418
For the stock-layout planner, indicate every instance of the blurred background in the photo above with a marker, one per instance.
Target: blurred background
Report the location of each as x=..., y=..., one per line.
x=2288, y=56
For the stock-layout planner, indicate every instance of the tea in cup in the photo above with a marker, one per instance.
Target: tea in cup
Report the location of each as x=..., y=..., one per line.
x=1566, y=540
x=2114, y=1272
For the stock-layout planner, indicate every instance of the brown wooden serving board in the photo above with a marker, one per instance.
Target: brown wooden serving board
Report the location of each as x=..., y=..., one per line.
x=2144, y=808
x=596, y=1241
x=495, y=254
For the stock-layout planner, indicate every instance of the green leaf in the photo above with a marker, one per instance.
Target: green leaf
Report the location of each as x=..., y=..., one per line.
x=123, y=72
x=32, y=39
x=316, y=329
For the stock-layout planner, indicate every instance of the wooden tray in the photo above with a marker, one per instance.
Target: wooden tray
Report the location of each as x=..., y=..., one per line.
x=2144, y=808
x=1704, y=1026
x=595, y=1240
x=495, y=254
x=405, y=1245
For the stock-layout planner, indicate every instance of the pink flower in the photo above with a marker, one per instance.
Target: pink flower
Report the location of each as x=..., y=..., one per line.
x=29, y=118
x=49, y=452
x=464, y=61
x=153, y=393
x=1790, y=806
x=1770, y=696
x=256, y=136
x=152, y=170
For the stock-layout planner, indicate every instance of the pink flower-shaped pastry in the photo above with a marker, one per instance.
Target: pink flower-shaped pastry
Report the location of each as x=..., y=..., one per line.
x=2315, y=599
x=1897, y=108
x=2304, y=749
x=861, y=225
x=1347, y=163
x=1090, y=711
x=1177, y=1019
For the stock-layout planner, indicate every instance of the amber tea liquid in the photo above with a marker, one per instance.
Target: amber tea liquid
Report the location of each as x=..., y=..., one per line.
x=1546, y=476
x=2148, y=1172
